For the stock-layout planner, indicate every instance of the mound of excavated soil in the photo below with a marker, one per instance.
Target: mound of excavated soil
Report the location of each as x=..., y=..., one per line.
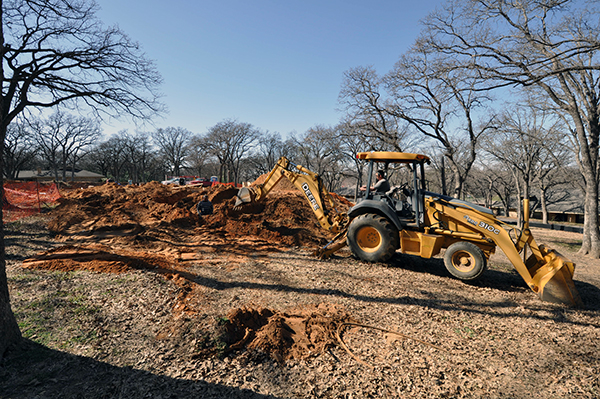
x=283, y=184
x=155, y=209
x=153, y=227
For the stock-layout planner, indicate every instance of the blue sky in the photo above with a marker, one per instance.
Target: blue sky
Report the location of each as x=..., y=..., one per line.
x=275, y=64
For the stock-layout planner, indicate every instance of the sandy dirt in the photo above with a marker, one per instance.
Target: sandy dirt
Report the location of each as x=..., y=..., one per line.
x=233, y=304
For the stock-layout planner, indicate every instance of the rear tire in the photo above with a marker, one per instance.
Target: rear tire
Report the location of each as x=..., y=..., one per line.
x=465, y=260
x=372, y=238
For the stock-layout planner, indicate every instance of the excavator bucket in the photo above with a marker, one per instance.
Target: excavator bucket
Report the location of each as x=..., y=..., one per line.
x=244, y=196
x=553, y=278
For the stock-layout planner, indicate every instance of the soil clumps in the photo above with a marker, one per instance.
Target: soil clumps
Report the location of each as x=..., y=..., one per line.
x=152, y=209
x=155, y=227
x=294, y=334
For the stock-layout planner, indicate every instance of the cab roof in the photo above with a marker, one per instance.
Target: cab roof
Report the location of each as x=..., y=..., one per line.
x=388, y=156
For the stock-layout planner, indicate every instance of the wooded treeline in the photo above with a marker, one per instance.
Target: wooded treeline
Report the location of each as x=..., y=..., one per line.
x=502, y=96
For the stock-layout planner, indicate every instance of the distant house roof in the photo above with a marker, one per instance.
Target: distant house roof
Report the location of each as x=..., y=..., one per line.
x=567, y=202
x=572, y=202
x=80, y=175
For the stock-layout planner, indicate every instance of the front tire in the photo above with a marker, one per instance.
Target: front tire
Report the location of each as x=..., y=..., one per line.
x=465, y=260
x=372, y=238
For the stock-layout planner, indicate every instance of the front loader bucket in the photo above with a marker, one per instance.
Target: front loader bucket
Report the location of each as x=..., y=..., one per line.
x=244, y=196
x=553, y=278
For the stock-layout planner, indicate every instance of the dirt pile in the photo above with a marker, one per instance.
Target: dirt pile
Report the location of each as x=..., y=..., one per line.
x=154, y=227
x=283, y=184
x=154, y=209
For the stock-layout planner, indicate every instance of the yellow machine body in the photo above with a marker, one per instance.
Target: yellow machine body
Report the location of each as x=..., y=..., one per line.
x=545, y=271
x=379, y=225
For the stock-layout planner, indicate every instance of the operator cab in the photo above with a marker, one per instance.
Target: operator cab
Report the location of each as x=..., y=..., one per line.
x=407, y=200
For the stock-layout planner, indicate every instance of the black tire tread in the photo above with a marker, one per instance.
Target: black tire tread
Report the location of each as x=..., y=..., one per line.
x=475, y=251
x=388, y=232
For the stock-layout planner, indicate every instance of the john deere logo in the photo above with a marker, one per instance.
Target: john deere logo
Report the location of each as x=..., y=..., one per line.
x=310, y=196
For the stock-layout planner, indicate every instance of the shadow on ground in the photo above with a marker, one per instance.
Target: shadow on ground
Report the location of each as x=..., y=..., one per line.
x=35, y=371
x=508, y=281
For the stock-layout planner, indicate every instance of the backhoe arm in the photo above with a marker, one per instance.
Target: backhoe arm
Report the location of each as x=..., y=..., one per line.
x=260, y=191
x=309, y=183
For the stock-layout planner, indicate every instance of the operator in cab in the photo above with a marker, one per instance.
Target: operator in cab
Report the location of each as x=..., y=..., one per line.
x=382, y=186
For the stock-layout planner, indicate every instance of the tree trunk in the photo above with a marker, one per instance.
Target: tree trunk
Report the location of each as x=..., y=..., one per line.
x=73, y=171
x=544, y=206
x=64, y=169
x=507, y=206
x=443, y=177
x=588, y=166
x=458, y=179
x=55, y=170
x=591, y=232
x=9, y=329
x=488, y=194
x=519, y=196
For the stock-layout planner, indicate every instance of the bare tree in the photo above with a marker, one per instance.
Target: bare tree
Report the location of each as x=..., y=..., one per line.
x=424, y=93
x=440, y=179
x=367, y=109
x=554, y=176
x=554, y=189
x=515, y=145
x=57, y=52
x=63, y=138
x=501, y=182
x=548, y=46
x=231, y=142
x=110, y=157
x=270, y=147
x=480, y=185
x=173, y=145
x=199, y=162
x=441, y=103
x=350, y=144
x=126, y=156
x=81, y=137
x=46, y=136
x=19, y=148
x=318, y=149
x=139, y=157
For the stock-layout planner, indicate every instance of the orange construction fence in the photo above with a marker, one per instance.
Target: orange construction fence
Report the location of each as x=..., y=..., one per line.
x=216, y=183
x=23, y=199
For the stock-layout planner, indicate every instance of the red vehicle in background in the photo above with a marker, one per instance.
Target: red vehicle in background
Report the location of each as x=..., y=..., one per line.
x=201, y=182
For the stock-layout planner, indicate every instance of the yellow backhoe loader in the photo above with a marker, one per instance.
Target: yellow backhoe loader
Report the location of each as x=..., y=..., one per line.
x=419, y=222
